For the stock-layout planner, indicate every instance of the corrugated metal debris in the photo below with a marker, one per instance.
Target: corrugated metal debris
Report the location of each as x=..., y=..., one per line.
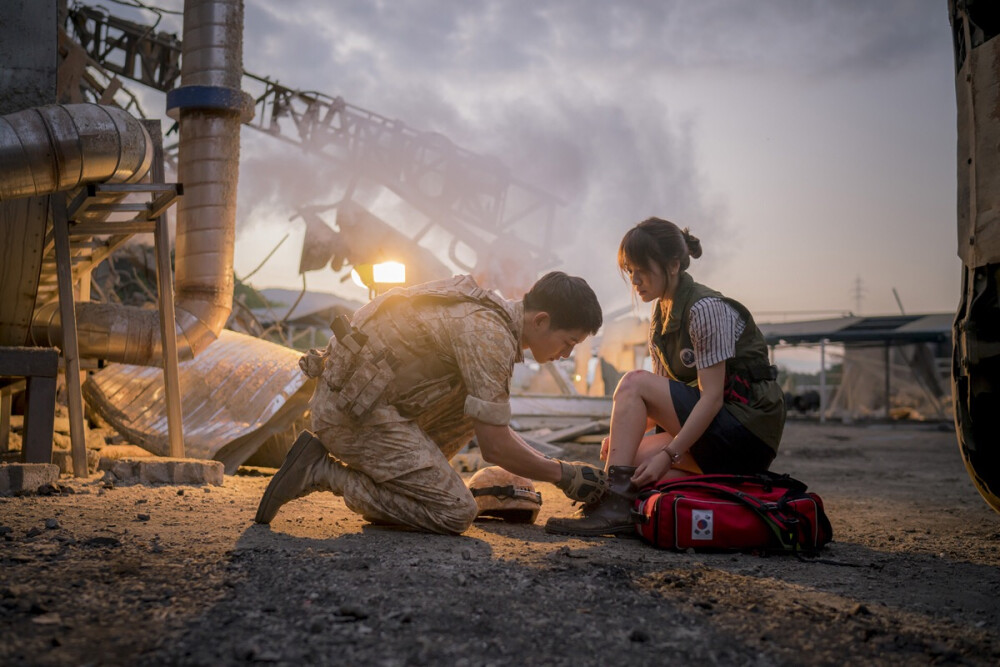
x=236, y=395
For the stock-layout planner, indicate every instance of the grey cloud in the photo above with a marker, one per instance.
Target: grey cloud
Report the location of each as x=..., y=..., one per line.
x=814, y=37
x=607, y=146
x=560, y=88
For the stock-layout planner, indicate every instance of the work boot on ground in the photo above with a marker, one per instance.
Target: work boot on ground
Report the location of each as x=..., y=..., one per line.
x=308, y=467
x=611, y=515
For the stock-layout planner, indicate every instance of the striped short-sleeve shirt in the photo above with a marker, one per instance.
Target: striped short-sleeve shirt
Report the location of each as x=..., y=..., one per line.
x=714, y=327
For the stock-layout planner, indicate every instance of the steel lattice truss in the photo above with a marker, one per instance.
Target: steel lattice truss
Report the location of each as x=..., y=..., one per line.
x=453, y=187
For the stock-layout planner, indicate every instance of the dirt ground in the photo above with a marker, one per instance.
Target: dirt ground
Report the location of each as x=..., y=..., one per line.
x=176, y=575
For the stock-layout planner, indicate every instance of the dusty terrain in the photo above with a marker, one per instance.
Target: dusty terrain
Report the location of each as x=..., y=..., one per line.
x=180, y=576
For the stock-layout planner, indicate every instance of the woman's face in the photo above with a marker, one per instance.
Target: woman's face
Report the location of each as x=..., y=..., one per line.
x=649, y=283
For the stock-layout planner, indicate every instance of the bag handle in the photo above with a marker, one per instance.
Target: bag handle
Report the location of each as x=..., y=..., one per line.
x=765, y=479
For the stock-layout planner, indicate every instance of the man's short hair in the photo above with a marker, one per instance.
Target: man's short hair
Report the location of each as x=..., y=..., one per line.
x=569, y=301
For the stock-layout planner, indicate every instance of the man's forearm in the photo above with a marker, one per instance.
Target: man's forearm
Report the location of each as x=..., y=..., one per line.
x=503, y=447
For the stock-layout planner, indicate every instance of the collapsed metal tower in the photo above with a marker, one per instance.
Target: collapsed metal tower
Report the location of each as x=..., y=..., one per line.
x=473, y=197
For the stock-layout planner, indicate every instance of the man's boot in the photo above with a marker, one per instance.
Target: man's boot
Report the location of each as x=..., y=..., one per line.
x=308, y=467
x=611, y=515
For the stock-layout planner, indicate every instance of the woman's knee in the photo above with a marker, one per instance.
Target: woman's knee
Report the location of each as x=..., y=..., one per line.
x=630, y=386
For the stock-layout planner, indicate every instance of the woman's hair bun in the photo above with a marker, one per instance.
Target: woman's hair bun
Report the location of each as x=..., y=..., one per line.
x=692, y=242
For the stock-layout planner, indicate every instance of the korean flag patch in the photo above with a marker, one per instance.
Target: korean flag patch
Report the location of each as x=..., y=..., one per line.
x=701, y=524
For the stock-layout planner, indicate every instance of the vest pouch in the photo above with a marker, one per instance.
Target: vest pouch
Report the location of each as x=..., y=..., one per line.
x=348, y=353
x=366, y=385
x=339, y=366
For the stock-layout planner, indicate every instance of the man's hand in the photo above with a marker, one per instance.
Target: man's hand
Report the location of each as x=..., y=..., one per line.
x=582, y=481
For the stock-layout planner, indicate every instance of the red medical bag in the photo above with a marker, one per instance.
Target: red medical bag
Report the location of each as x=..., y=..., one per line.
x=763, y=512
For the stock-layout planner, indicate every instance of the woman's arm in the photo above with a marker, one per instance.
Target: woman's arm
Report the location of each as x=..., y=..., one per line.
x=711, y=383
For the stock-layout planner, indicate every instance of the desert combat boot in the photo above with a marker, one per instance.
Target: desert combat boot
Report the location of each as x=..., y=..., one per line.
x=611, y=515
x=308, y=467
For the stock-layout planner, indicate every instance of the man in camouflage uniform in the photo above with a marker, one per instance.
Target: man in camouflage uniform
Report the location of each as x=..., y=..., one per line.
x=407, y=384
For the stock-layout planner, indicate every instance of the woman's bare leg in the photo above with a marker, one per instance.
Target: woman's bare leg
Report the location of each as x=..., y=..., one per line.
x=639, y=395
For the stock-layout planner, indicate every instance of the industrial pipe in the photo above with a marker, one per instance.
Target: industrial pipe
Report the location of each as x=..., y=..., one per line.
x=210, y=109
x=61, y=147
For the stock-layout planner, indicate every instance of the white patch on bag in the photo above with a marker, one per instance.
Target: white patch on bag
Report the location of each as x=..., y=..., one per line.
x=701, y=524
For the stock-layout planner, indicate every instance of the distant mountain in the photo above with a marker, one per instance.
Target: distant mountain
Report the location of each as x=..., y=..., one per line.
x=311, y=302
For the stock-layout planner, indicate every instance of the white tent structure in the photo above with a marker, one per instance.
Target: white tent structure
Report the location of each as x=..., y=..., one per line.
x=894, y=366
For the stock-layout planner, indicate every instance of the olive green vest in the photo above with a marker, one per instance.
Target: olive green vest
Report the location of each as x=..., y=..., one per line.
x=764, y=412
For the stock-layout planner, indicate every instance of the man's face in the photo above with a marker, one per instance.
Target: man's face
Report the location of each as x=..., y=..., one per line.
x=548, y=344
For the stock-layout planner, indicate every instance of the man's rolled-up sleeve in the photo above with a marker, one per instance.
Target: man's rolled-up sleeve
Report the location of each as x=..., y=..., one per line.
x=497, y=414
x=485, y=351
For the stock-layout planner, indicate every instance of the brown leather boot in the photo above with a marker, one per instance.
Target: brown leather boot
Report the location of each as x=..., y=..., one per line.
x=308, y=467
x=611, y=515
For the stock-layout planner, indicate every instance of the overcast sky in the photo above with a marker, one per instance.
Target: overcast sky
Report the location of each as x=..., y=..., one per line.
x=810, y=144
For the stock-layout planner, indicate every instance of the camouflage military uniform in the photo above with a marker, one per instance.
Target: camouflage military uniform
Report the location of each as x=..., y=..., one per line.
x=463, y=342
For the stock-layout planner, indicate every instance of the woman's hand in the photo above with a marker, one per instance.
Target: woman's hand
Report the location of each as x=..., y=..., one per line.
x=652, y=470
x=605, y=445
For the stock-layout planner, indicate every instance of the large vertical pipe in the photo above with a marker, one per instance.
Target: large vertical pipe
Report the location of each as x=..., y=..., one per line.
x=210, y=108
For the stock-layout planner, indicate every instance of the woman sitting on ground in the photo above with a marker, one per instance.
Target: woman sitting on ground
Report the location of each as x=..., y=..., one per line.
x=712, y=396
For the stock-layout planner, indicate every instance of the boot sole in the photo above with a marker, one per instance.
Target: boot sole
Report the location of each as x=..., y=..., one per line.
x=293, y=454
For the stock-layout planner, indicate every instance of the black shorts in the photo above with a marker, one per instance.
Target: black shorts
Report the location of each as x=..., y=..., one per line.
x=726, y=446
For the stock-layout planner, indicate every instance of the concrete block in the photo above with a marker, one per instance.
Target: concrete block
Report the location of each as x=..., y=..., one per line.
x=27, y=477
x=156, y=470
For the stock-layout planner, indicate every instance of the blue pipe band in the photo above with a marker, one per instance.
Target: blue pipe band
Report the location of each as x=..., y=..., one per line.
x=209, y=97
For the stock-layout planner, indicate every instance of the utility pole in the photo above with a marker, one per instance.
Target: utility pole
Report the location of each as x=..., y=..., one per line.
x=859, y=290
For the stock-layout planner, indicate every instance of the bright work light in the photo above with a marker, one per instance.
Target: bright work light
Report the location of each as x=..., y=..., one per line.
x=387, y=273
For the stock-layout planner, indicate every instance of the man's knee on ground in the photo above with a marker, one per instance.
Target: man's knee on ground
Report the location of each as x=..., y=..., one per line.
x=457, y=518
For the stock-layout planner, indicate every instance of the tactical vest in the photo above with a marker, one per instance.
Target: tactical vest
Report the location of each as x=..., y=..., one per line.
x=365, y=363
x=751, y=392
